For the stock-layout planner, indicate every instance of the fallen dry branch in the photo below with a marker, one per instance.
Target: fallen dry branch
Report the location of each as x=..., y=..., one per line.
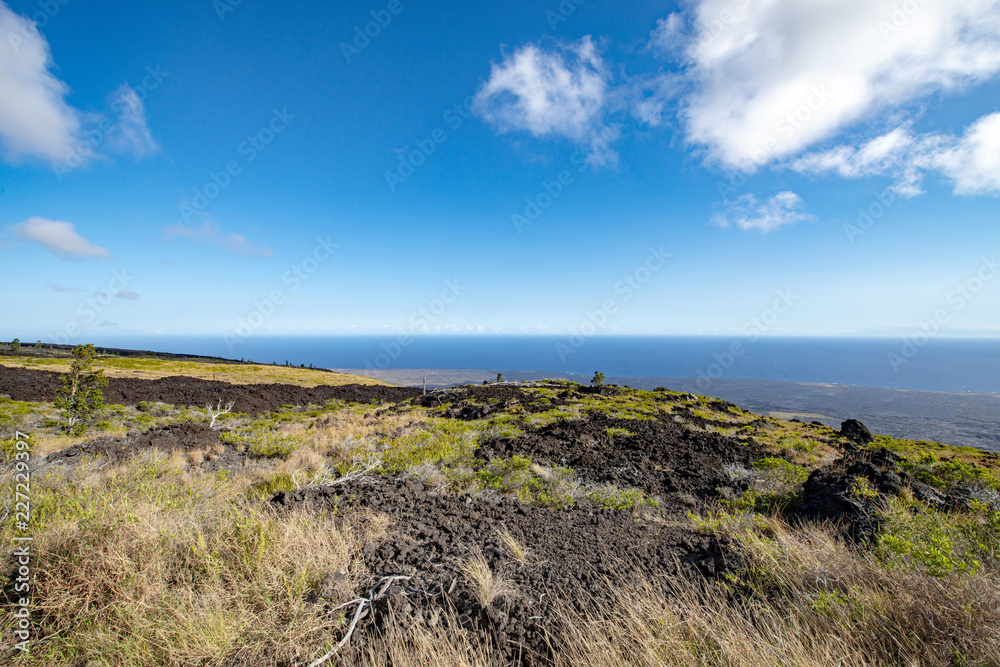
x=377, y=591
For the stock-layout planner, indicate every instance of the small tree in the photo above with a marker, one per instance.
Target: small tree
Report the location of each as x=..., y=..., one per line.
x=79, y=394
x=15, y=345
x=598, y=380
x=38, y=345
x=499, y=377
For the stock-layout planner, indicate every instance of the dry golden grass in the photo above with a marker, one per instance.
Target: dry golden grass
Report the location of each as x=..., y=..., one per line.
x=147, y=565
x=514, y=547
x=151, y=368
x=486, y=584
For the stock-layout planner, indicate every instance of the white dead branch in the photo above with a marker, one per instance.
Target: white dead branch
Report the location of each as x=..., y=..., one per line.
x=360, y=471
x=218, y=411
x=377, y=591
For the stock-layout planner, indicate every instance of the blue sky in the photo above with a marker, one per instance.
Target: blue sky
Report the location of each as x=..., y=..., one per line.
x=268, y=168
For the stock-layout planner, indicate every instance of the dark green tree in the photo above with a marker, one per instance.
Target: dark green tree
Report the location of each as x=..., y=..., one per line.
x=15, y=345
x=598, y=380
x=79, y=395
x=499, y=377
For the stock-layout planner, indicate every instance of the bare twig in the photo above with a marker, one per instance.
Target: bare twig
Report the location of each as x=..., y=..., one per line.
x=360, y=471
x=218, y=411
x=377, y=591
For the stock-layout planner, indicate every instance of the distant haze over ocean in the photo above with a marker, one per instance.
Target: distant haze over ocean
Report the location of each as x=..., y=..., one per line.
x=940, y=364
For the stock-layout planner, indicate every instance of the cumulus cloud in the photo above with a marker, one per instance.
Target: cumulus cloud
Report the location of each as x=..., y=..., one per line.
x=35, y=120
x=773, y=78
x=561, y=92
x=971, y=162
x=746, y=213
x=60, y=238
x=209, y=232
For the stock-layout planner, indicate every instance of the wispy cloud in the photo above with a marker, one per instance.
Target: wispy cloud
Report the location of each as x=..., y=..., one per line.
x=208, y=232
x=669, y=38
x=746, y=213
x=971, y=161
x=127, y=294
x=60, y=238
x=131, y=133
x=63, y=290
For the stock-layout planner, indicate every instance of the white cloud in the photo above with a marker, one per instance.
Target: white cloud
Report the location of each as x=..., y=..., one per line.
x=59, y=238
x=209, y=232
x=127, y=294
x=560, y=92
x=35, y=120
x=971, y=161
x=785, y=208
x=772, y=78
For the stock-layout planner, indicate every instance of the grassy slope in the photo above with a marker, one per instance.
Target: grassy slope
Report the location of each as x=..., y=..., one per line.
x=148, y=368
x=154, y=562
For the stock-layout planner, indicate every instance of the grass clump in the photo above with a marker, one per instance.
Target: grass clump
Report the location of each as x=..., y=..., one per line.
x=487, y=584
x=612, y=498
x=262, y=441
x=513, y=546
x=531, y=483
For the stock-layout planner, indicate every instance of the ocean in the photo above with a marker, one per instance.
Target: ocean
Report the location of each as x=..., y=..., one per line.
x=936, y=364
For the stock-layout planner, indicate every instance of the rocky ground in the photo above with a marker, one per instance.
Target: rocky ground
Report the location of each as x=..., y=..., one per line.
x=679, y=454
